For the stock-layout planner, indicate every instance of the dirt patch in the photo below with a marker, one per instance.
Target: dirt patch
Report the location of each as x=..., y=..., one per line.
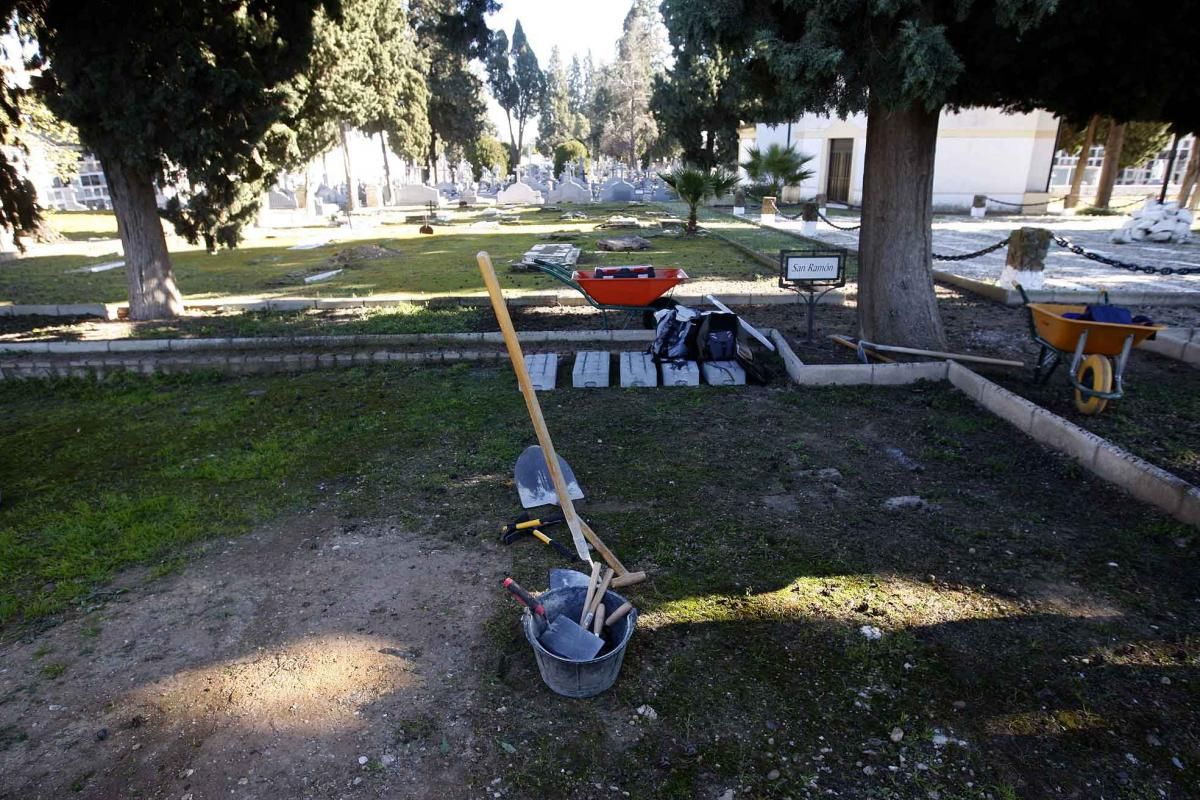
x=365, y=252
x=358, y=642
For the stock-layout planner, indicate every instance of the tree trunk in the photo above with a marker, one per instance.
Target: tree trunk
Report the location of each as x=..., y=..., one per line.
x=387, y=170
x=1072, y=198
x=148, y=273
x=432, y=159
x=1112, y=158
x=1191, y=175
x=896, y=300
x=351, y=194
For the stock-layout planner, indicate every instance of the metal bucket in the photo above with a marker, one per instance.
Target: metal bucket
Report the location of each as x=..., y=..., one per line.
x=580, y=678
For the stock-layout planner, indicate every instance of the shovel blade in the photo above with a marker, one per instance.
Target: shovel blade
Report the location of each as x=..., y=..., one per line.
x=566, y=638
x=562, y=578
x=535, y=487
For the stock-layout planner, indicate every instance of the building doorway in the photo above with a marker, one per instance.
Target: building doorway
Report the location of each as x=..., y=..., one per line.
x=837, y=183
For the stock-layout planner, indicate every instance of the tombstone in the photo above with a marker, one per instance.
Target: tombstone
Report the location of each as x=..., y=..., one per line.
x=374, y=195
x=521, y=194
x=619, y=191
x=281, y=200
x=570, y=192
x=415, y=194
x=768, y=210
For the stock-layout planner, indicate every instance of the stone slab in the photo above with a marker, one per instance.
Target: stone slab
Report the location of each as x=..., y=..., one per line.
x=543, y=370
x=686, y=373
x=638, y=369
x=591, y=369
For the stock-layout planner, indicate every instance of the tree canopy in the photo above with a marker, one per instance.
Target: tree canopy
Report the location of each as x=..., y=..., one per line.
x=517, y=83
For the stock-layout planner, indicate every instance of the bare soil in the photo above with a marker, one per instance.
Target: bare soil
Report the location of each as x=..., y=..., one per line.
x=269, y=668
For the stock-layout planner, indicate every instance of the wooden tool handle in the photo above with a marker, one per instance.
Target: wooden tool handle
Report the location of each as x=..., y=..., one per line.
x=598, y=600
x=628, y=579
x=619, y=614
x=531, y=402
x=591, y=591
x=598, y=623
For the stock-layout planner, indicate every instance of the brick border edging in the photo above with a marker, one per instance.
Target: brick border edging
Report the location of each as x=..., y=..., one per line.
x=1143, y=480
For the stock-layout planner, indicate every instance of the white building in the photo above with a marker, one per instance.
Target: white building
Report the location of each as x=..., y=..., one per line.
x=1007, y=157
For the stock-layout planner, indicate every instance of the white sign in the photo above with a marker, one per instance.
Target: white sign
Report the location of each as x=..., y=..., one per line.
x=812, y=268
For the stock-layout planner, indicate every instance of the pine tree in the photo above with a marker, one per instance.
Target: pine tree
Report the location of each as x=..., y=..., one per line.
x=164, y=90
x=630, y=128
x=517, y=83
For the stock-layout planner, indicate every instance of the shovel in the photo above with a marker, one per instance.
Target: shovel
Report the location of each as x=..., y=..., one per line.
x=535, y=485
x=564, y=636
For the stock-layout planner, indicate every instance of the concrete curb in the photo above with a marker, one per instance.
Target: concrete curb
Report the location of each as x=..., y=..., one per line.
x=854, y=374
x=1181, y=344
x=1011, y=297
x=1140, y=478
x=293, y=342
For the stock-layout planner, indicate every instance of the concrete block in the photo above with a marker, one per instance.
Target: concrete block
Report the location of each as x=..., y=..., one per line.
x=1056, y=433
x=543, y=370
x=1010, y=407
x=591, y=369
x=1191, y=354
x=966, y=381
x=339, y=302
x=34, y=310
x=686, y=373
x=83, y=310
x=362, y=358
x=139, y=345
x=79, y=347
x=1189, y=509
x=905, y=374
x=1141, y=479
x=24, y=348
x=638, y=369
x=723, y=373
x=292, y=304
x=834, y=375
x=1165, y=345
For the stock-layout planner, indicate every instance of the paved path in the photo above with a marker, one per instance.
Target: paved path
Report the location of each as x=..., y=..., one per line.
x=953, y=235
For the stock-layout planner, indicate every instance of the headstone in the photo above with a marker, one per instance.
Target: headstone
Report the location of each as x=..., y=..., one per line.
x=520, y=193
x=415, y=194
x=374, y=195
x=624, y=244
x=618, y=191
x=684, y=373
x=281, y=200
x=637, y=369
x=724, y=373
x=543, y=370
x=569, y=191
x=1026, y=261
x=566, y=255
x=591, y=369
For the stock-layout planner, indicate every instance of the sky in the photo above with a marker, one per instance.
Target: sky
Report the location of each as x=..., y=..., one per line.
x=575, y=26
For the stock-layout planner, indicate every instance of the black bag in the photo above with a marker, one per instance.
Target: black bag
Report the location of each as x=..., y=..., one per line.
x=675, y=335
x=717, y=337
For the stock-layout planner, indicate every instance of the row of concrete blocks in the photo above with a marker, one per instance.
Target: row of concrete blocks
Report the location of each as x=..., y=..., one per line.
x=543, y=299
x=300, y=342
x=592, y=370
x=98, y=367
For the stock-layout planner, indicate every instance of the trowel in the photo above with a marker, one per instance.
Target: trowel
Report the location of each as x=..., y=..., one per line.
x=535, y=486
x=563, y=578
x=564, y=637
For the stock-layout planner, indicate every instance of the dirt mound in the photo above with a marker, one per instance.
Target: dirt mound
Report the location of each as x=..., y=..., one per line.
x=363, y=252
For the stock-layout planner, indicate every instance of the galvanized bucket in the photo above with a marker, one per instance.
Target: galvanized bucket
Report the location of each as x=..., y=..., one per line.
x=580, y=678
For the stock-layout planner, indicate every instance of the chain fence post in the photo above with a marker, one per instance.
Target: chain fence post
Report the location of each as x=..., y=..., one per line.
x=1025, y=263
x=979, y=206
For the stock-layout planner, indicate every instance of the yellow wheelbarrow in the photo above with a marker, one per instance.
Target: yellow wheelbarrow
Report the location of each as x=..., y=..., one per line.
x=1098, y=351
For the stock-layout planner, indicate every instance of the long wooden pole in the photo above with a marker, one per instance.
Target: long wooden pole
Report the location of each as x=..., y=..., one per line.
x=581, y=533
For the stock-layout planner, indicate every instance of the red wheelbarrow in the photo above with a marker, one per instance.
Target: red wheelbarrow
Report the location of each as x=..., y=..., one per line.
x=634, y=289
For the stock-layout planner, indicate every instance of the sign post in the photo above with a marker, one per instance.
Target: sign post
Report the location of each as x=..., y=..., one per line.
x=813, y=271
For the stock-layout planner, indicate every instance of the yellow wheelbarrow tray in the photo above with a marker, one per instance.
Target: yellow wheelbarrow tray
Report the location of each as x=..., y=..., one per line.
x=1098, y=351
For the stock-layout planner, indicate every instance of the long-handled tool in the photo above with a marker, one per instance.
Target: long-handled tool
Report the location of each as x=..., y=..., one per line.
x=581, y=534
x=536, y=533
x=523, y=522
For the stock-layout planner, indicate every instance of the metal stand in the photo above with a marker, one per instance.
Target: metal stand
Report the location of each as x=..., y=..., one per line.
x=811, y=298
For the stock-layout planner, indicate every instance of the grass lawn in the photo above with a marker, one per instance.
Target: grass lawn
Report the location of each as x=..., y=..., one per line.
x=1040, y=635
x=424, y=265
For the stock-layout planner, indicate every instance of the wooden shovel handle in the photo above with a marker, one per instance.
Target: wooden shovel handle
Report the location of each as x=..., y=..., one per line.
x=531, y=402
x=628, y=579
x=591, y=591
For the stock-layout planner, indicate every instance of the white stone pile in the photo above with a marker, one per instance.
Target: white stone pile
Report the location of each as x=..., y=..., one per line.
x=1156, y=222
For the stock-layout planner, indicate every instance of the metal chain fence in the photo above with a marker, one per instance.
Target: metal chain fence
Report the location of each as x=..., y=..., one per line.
x=991, y=248
x=1062, y=241
x=833, y=224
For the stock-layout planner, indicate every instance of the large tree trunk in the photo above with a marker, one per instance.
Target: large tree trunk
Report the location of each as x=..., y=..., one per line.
x=148, y=273
x=1112, y=163
x=387, y=170
x=1191, y=175
x=431, y=158
x=1072, y=198
x=896, y=300
x=351, y=193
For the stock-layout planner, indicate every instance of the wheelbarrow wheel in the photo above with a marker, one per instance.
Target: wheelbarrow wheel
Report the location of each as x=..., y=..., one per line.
x=1095, y=374
x=648, y=321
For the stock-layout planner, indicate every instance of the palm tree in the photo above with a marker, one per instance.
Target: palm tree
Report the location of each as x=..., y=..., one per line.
x=695, y=185
x=776, y=167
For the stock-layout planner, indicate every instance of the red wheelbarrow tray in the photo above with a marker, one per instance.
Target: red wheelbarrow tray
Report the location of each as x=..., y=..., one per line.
x=614, y=291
